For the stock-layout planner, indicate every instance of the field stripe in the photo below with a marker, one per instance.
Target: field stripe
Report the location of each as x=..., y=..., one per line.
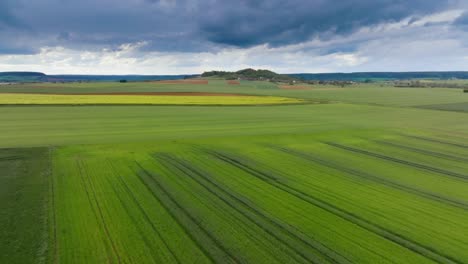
x=190, y=171
x=142, y=211
x=148, y=220
x=138, y=227
x=414, y=246
x=97, y=213
x=10, y=158
x=422, y=151
x=437, y=141
x=400, y=161
x=368, y=176
x=158, y=192
x=53, y=210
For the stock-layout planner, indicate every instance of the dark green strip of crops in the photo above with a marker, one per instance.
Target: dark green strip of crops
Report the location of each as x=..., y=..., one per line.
x=438, y=141
x=10, y=158
x=423, y=151
x=424, y=250
x=24, y=187
x=400, y=161
x=52, y=221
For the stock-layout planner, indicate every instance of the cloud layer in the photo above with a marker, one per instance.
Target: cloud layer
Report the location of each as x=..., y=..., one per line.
x=294, y=35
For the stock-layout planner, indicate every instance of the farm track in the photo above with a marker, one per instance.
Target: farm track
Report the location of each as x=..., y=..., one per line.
x=437, y=141
x=169, y=202
x=273, y=195
x=172, y=165
x=373, y=178
x=255, y=215
x=143, y=212
x=142, y=234
x=400, y=161
x=97, y=208
x=422, y=151
x=403, y=241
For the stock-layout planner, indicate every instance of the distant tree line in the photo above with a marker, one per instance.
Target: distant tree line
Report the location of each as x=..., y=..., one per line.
x=360, y=76
x=419, y=83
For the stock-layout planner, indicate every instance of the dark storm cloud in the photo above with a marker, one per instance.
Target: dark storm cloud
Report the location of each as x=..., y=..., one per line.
x=192, y=25
x=246, y=22
x=7, y=18
x=462, y=21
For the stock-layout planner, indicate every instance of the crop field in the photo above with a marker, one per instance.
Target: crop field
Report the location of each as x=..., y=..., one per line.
x=102, y=99
x=371, y=176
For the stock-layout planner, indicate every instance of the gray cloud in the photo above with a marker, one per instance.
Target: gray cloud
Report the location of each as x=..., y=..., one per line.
x=250, y=22
x=191, y=25
x=7, y=17
x=462, y=21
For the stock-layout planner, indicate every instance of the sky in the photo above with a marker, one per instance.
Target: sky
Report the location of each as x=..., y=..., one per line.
x=192, y=36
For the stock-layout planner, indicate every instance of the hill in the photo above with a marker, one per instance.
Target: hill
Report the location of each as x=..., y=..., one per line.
x=15, y=77
x=22, y=76
x=249, y=74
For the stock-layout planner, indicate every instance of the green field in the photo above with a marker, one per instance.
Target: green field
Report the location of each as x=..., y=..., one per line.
x=371, y=176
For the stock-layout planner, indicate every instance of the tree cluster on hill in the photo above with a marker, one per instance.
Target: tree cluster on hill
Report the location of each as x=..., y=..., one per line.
x=250, y=74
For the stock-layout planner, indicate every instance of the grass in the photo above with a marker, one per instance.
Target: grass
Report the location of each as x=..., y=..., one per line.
x=56, y=99
x=44, y=126
x=370, y=178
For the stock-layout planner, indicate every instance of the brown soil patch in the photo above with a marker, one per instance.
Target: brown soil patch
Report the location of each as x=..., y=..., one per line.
x=295, y=87
x=303, y=87
x=328, y=89
x=233, y=82
x=188, y=81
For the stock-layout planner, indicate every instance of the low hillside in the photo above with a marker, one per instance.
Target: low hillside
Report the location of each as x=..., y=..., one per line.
x=22, y=76
x=249, y=74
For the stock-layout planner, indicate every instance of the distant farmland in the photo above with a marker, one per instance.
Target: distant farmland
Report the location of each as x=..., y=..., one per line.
x=370, y=176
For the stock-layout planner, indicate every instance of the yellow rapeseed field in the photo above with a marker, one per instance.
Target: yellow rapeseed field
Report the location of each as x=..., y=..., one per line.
x=61, y=99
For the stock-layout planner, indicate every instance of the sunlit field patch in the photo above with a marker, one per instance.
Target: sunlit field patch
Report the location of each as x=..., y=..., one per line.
x=87, y=99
